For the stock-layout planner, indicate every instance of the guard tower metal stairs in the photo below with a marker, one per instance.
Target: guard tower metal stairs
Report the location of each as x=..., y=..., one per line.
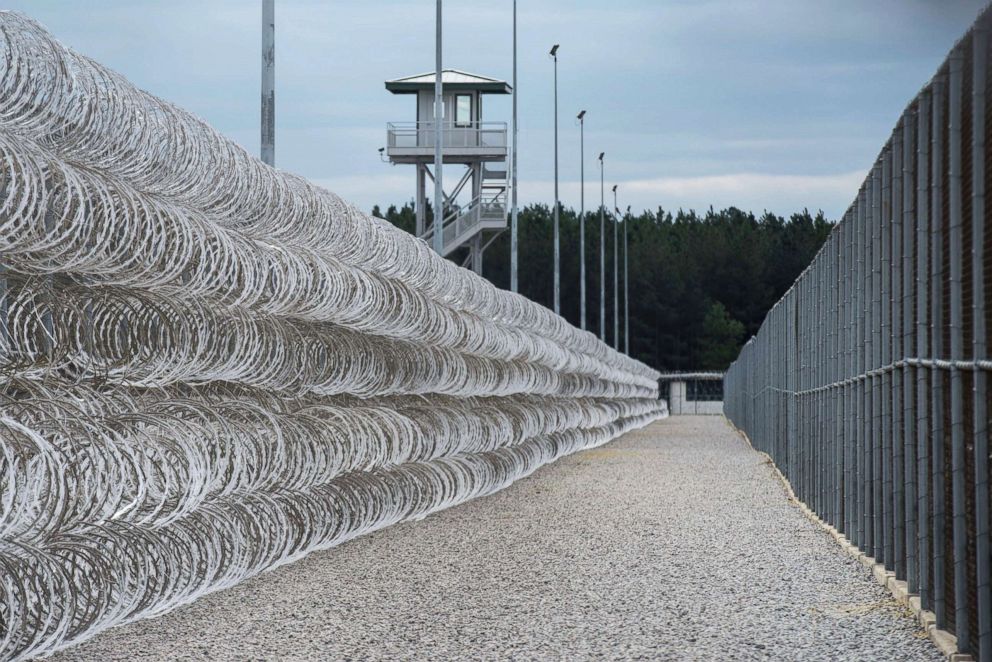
x=484, y=214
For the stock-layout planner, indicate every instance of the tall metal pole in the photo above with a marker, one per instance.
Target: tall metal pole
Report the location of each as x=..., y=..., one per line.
x=554, y=54
x=959, y=513
x=626, y=289
x=983, y=636
x=602, y=251
x=438, y=157
x=582, y=219
x=514, y=236
x=616, y=264
x=268, y=82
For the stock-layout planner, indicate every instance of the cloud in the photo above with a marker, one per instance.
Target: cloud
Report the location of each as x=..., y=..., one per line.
x=750, y=191
x=368, y=190
x=719, y=94
x=749, y=184
x=781, y=194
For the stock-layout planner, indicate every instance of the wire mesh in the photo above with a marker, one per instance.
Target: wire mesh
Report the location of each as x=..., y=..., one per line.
x=867, y=382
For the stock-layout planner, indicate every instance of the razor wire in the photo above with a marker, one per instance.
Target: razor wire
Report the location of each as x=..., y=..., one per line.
x=209, y=368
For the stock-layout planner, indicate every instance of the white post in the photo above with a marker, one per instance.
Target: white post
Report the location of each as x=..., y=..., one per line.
x=626, y=289
x=268, y=151
x=676, y=398
x=438, y=154
x=582, y=220
x=602, y=250
x=557, y=248
x=616, y=270
x=514, y=236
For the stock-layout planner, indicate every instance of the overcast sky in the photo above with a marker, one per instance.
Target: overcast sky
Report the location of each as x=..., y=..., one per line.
x=762, y=104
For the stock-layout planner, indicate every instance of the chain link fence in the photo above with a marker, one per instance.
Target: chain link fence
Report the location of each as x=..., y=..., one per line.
x=868, y=381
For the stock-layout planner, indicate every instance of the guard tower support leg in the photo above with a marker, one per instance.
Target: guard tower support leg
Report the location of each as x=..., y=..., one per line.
x=421, y=200
x=476, y=249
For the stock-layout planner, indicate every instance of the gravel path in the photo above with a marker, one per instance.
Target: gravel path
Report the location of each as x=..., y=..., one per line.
x=675, y=542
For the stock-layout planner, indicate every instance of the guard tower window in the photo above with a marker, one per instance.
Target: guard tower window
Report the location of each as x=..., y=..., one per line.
x=463, y=110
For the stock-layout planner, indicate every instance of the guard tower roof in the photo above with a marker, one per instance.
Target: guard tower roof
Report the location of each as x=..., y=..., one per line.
x=451, y=79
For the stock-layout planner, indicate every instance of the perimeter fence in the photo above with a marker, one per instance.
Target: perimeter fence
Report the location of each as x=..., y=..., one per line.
x=868, y=381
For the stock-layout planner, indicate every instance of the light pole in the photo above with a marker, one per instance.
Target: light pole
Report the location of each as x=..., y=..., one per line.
x=268, y=82
x=554, y=55
x=514, y=237
x=616, y=300
x=582, y=219
x=602, y=252
x=626, y=288
x=438, y=115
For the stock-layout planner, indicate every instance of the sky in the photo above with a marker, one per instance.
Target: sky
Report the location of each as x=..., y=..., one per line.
x=774, y=105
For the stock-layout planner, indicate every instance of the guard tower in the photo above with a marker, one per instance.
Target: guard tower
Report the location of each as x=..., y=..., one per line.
x=475, y=208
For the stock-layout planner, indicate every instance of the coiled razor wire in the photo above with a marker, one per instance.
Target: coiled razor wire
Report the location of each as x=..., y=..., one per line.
x=209, y=368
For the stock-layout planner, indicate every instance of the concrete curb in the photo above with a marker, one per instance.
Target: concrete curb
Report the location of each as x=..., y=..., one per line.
x=945, y=642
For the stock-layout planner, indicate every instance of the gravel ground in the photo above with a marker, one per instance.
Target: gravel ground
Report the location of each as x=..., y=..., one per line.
x=674, y=542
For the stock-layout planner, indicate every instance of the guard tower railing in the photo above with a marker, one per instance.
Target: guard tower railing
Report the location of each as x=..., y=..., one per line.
x=485, y=137
x=868, y=381
x=462, y=224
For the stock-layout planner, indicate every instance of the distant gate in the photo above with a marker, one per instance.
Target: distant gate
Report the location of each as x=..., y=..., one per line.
x=696, y=393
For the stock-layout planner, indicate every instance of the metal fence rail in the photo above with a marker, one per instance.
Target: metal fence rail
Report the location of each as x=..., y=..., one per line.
x=868, y=381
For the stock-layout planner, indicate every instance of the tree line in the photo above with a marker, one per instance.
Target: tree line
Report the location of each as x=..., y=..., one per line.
x=700, y=284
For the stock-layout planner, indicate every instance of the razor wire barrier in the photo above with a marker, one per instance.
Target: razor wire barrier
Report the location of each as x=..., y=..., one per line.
x=211, y=368
x=867, y=383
